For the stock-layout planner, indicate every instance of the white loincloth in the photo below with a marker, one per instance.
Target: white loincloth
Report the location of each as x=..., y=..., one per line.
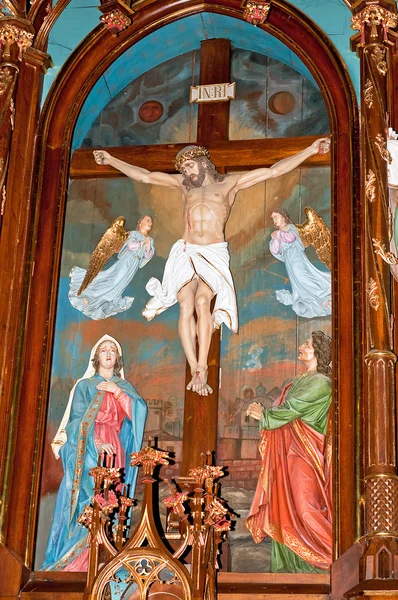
x=211, y=264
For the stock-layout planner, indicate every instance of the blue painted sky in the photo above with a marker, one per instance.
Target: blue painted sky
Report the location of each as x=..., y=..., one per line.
x=82, y=16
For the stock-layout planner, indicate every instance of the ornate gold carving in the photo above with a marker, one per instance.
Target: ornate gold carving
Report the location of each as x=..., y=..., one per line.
x=176, y=501
x=12, y=113
x=11, y=34
x=381, y=144
x=373, y=295
x=374, y=16
x=86, y=518
x=149, y=457
x=368, y=93
x=3, y=200
x=370, y=189
x=255, y=12
x=380, y=249
x=144, y=557
x=378, y=56
x=115, y=21
x=215, y=513
x=201, y=474
x=381, y=505
x=6, y=77
x=390, y=224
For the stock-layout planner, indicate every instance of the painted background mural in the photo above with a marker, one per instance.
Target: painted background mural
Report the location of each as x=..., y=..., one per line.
x=273, y=100
x=258, y=362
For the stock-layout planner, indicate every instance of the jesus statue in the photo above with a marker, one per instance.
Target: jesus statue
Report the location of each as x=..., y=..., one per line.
x=197, y=269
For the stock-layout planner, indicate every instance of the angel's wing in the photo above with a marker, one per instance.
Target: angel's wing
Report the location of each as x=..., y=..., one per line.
x=110, y=243
x=314, y=231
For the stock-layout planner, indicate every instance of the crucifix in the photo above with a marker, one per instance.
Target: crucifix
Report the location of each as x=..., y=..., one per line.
x=202, y=380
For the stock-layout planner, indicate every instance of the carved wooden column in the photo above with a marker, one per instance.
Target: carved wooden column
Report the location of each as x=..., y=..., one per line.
x=373, y=44
x=15, y=37
x=21, y=73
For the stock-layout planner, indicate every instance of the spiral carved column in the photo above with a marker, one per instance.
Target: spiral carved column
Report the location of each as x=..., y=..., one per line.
x=375, y=20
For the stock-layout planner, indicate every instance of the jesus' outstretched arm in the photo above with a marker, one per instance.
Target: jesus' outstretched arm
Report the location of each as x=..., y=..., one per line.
x=286, y=165
x=137, y=173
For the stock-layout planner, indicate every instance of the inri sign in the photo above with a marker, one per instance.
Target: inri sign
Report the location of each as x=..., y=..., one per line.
x=214, y=92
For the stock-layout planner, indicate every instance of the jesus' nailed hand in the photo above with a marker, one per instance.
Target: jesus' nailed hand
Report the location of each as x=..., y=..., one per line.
x=201, y=257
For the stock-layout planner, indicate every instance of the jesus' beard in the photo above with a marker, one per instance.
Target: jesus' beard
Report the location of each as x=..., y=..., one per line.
x=190, y=183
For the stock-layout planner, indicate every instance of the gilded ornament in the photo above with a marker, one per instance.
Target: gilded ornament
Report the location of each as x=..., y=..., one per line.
x=12, y=114
x=206, y=472
x=176, y=501
x=115, y=21
x=5, y=79
x=368, y=94
x=378, y=56
x=380, y=249
x=381, y=144
x=149, y=457
x=390, y=224
x=10, y=34
x=374, y=15
x=3, y=200
x=215, y=511
x=370, y=189
x=373, y=296
x=255, y=13
x=108, y=502
x=86, y=518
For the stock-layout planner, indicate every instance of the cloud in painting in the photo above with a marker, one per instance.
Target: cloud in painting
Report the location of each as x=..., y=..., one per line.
x=70, y=259
x=85, y=211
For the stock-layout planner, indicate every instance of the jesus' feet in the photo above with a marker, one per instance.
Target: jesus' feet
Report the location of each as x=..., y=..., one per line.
x=199, y=383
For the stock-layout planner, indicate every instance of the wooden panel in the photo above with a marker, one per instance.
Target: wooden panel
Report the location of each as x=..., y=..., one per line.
x=249, y=594
x=55, y=585
x=318, y=579
x=13, y=574
x=233, y=155
x=53, y=595
x=15, y=246
x=271, y=586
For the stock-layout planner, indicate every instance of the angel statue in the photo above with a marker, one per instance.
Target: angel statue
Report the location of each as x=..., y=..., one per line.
x=311, y=288
x=98, y=294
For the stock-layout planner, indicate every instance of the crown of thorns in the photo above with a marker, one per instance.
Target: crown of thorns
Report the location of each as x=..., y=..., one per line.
x=190, y=154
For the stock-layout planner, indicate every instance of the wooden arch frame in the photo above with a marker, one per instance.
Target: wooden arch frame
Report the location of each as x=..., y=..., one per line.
x=59, y=116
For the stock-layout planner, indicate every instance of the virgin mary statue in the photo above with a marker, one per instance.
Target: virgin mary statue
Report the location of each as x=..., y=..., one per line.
x=104, y=414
